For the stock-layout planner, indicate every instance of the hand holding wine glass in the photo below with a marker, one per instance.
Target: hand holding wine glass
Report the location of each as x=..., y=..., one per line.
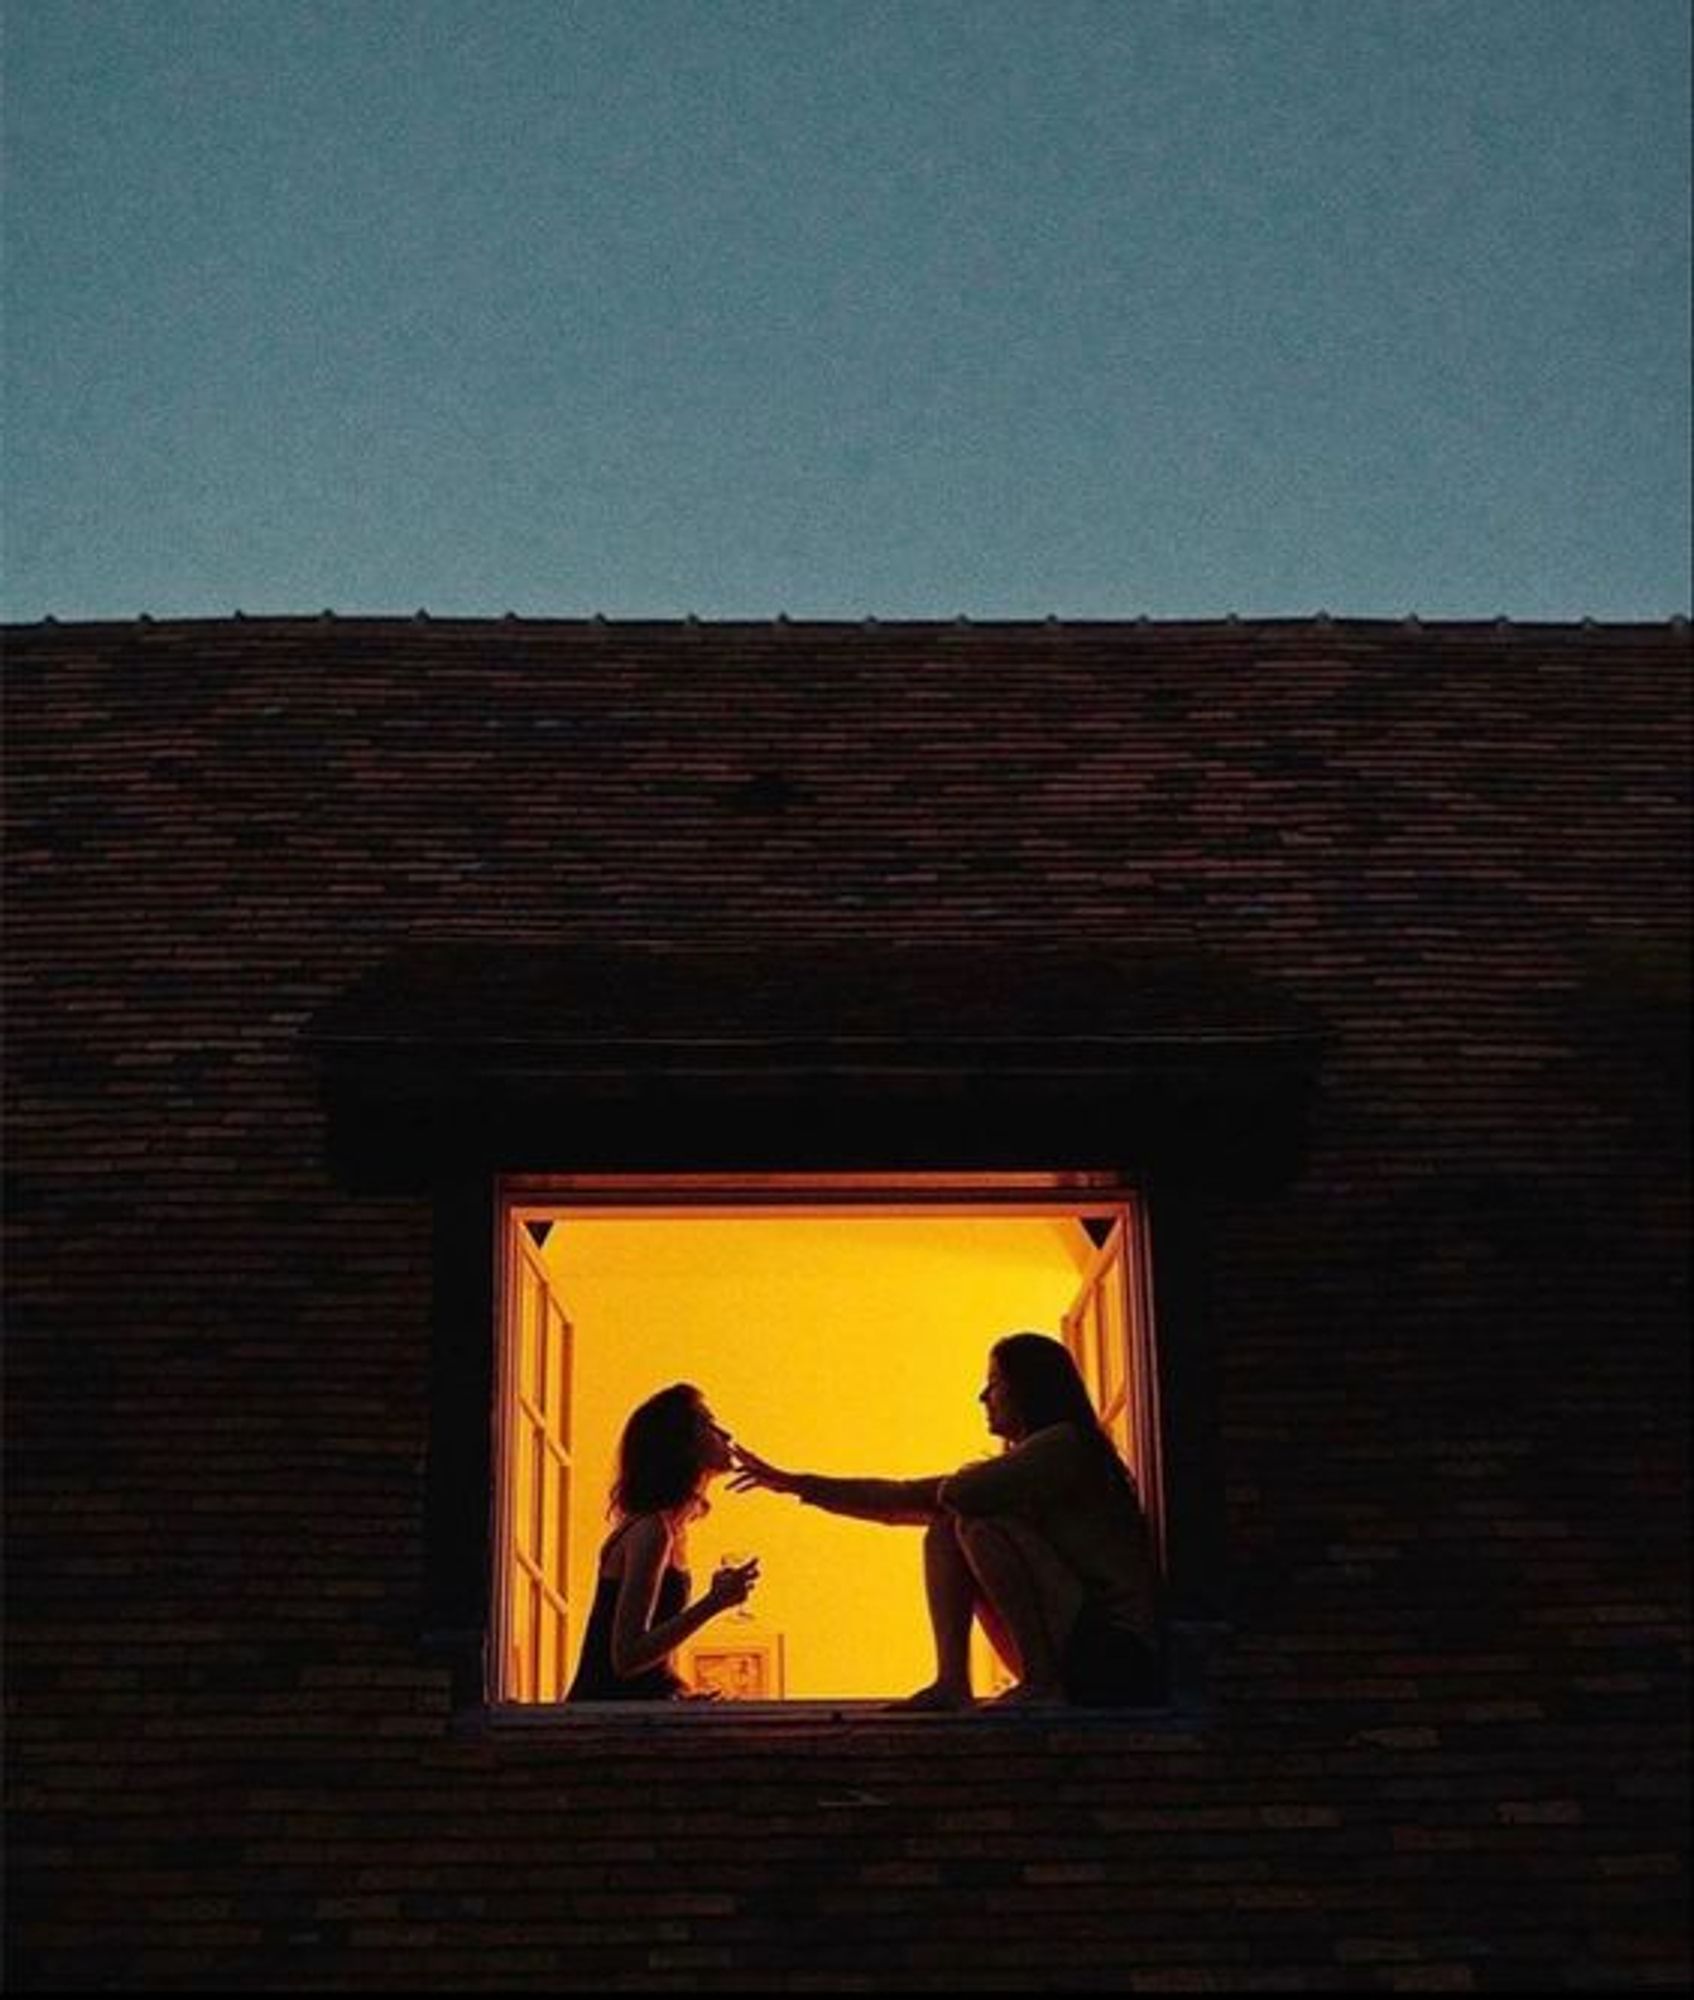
x=733, y=1579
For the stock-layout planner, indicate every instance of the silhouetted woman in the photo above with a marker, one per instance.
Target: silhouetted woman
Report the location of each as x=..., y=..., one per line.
x=672, y=1446
x=1046, y=1544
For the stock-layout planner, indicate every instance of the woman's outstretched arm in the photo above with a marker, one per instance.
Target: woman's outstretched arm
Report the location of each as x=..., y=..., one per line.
x=908, y=1502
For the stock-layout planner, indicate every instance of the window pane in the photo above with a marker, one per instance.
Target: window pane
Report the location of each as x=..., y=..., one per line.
x=529, y=1310
x=1114, y=1335
x=1096, y=1372
x=546, y=1653
x=559, y=1373
x=522, y=1455
x=558, y=1575
x=518, y=1647
x=536, y=1519
x=547, y=1372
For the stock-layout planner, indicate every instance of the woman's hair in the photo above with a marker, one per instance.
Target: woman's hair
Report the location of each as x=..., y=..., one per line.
x=1044, y=1386
x=660, y=1464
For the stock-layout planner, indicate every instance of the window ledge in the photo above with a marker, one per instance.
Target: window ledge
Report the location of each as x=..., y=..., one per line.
x=866, y=1718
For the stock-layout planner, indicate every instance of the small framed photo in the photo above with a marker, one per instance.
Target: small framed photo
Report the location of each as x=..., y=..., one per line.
x=748, y=1667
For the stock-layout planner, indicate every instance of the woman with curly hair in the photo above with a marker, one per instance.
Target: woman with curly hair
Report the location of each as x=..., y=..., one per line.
x=672, y=1447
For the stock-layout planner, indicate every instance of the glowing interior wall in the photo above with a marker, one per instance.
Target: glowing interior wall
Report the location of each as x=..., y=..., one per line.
x=850, y=1345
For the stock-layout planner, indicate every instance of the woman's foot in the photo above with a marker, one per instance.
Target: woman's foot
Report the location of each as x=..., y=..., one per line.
x=939, y=1698
x=1027, y=1695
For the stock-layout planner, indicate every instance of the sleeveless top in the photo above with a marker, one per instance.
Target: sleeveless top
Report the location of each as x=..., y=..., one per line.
x=595, y=1680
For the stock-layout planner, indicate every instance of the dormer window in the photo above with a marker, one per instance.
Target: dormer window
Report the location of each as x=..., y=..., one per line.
x=555, y=1102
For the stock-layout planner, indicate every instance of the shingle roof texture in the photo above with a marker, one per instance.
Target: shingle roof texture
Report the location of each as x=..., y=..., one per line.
x=1449, y=1745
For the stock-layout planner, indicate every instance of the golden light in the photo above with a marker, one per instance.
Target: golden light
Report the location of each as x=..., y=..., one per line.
x=838, y=1342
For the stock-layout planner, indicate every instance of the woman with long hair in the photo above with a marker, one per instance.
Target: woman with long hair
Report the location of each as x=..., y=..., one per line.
x=1047, y=1544
x=672, y=1448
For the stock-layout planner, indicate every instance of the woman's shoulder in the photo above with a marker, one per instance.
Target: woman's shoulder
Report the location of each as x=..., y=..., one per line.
x=1054, y=1440
x=1063, y=1451
x=640, y=1538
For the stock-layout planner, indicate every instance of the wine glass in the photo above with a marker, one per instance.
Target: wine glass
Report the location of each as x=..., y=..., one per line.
x=738, y=1559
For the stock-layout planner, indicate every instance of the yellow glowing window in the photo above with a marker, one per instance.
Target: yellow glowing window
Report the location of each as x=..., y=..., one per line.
x=836, y=1325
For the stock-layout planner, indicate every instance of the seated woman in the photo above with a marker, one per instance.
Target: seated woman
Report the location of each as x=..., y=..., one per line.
x=1046, y=1544
x=672, y=1447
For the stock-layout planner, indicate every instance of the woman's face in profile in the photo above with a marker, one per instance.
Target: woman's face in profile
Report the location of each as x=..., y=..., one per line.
x=714, y=1442
x=997, y=1403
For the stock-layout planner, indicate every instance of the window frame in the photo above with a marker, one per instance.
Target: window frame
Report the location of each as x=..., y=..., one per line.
x=1095, y=1195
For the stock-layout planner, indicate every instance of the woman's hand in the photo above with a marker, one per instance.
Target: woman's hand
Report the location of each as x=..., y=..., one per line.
x=751, y=1470
x=732, y=1583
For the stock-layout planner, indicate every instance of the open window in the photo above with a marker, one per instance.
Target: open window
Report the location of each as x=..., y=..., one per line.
x=837, y=1323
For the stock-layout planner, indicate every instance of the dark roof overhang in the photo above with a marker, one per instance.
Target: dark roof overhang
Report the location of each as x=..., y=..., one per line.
x=531, y=1057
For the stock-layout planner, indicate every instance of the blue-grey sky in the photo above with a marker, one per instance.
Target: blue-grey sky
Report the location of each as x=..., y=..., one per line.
x=847, y=307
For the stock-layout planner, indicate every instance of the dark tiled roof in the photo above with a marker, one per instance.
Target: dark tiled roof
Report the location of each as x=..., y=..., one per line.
x=1236, y=828
x=1447, y=1392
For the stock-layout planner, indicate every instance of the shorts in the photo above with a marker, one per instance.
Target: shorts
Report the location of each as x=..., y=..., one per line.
x=1105, y=1666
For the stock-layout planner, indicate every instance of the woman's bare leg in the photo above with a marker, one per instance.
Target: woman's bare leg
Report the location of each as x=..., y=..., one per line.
x=997, y=1631
x=951, y=1594
x=1030, y=1594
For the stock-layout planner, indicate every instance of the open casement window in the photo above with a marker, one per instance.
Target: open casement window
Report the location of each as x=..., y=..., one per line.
x=534, y=1459
x=1109, y=1331
x=836, y=1323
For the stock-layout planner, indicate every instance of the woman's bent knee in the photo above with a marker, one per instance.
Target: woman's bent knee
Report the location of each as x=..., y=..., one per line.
x=997, y=1531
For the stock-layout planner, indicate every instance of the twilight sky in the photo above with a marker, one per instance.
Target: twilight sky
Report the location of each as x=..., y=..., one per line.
x=841, y=308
